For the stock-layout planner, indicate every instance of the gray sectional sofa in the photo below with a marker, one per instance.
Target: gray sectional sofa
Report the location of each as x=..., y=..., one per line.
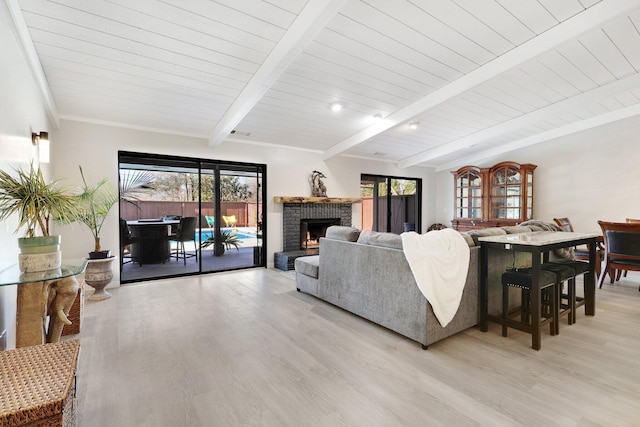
x=367, y=274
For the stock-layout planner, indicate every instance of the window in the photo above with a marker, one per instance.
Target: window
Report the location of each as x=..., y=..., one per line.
x=391, y=204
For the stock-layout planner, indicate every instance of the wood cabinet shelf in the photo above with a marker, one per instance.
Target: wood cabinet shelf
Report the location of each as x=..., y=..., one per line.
x=492, y=197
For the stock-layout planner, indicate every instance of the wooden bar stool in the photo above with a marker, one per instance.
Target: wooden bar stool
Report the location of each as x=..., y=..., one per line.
x=522, y=279
x=564, y=273
x=579, y=267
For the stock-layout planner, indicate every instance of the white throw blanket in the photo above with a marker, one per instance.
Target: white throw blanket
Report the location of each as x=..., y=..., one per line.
x=439, y=261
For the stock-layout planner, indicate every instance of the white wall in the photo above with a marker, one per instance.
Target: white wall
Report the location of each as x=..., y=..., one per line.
x=95, y=147
x=21, y=113
x=589, y=176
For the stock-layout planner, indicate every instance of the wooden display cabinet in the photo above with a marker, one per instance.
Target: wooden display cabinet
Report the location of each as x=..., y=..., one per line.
x=492, y=197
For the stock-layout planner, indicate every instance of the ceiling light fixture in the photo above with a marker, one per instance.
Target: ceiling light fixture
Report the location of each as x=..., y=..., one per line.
x=336, y=106
x=414, y=125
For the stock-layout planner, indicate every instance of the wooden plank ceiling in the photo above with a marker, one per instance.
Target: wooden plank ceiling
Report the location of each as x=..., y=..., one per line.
x=435, y=83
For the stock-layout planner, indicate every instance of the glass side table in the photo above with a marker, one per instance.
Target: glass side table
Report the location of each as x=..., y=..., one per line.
x=41, y=294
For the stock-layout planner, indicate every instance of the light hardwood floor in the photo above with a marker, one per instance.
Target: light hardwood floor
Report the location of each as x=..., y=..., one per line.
x=245, y=349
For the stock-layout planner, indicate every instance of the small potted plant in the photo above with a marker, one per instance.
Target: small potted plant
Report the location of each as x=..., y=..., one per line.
x=35, y=202
x=227, y=240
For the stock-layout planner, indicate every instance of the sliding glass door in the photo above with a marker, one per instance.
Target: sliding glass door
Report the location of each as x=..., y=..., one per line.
x=391, y=204
x=162, y=195
x=233, y=238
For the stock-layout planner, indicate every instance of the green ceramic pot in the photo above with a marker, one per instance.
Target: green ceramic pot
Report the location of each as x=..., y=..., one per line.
x=39, y=245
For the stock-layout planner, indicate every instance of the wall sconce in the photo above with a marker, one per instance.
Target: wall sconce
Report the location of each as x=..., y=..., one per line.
x=37, y=137
x=41, y=142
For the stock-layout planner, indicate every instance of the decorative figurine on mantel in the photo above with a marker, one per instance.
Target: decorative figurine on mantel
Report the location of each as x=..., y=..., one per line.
x=317, y=186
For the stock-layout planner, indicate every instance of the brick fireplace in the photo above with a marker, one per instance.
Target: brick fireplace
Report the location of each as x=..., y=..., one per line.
x=295, y=213
x=305, y=220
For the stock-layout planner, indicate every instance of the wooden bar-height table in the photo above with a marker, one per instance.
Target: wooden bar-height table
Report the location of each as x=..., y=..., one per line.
x=539, y=244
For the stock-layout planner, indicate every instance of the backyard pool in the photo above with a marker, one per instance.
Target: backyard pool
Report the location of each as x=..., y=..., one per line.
x=240, y=234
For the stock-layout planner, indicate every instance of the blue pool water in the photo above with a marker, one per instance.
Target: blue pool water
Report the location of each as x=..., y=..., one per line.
x=240, y=234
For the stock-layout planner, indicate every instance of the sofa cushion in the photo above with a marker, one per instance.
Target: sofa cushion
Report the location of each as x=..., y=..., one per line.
x=468, y=239
x=535, y=228
x=376, y=238
x=491, y=231
x=308, y=265
x=516, y=229
x=341, y=232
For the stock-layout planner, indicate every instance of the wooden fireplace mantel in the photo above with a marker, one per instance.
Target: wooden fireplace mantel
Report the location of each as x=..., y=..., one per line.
x=302, y=199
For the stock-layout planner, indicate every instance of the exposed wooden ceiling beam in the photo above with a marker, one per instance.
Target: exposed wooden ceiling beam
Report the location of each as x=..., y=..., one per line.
x=33, y=61
x=579, y=24
x=602, y=119
x=595, y=95
x=309, y=22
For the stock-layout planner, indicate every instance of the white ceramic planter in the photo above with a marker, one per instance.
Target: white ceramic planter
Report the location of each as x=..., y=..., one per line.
x=99, y=274
x=39, y=262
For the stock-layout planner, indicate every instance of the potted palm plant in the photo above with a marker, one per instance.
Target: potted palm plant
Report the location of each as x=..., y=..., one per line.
x=94, y=203
x=35, y=202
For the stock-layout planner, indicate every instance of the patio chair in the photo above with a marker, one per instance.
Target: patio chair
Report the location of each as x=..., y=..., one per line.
x=186, y=233
x=230, y=221
x=211, y=220
x=125, y=242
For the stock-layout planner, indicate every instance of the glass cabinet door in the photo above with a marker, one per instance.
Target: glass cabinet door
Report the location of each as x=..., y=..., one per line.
x=529, y=175
x=506, y=194
x=468, y=190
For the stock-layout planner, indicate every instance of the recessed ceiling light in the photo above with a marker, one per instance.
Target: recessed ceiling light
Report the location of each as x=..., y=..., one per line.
x=336, y=106
x=414, y=125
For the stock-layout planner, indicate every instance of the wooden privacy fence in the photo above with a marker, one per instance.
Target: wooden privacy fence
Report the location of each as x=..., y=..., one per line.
x=245, y=212
x=401, y=212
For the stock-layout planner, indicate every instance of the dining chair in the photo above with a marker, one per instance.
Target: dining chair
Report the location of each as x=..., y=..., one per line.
x=624, y=273
x=621, y=247
x=186, y=232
